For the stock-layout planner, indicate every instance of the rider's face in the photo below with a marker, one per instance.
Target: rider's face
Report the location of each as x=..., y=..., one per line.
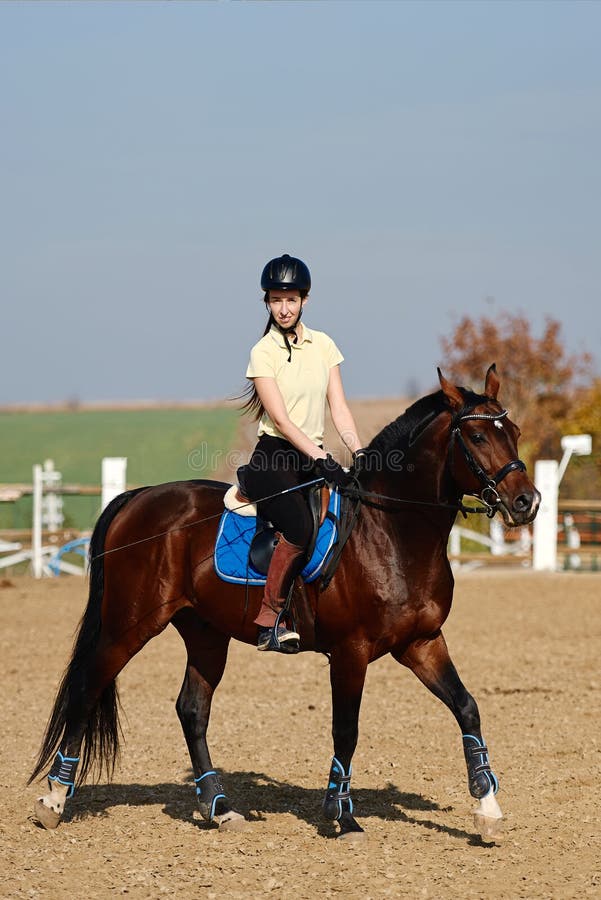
x=285, y=306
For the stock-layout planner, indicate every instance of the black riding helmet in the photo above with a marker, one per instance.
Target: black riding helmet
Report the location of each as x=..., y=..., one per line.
x=286, y=273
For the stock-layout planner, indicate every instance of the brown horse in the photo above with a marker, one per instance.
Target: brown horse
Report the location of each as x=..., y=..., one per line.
x=151, y=564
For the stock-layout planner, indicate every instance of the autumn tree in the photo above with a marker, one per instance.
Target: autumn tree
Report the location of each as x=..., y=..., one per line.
x=584, y=417
x=540, y=381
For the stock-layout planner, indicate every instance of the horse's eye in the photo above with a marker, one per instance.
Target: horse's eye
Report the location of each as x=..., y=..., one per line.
x=477, y=438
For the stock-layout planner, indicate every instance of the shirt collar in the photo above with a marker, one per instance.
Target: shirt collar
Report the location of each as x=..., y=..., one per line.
x=278, y=337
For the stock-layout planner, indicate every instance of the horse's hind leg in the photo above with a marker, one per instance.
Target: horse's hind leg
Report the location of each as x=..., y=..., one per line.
x=431, y=662
x=207, y=654
x=86, y=707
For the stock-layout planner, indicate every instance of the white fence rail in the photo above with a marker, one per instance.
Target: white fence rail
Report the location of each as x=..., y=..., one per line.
x=47, y=515
x=494, y=546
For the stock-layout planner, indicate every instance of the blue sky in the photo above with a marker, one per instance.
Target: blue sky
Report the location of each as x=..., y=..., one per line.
x=421, y=158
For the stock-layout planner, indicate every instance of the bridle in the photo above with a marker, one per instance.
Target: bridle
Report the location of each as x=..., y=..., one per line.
x=489, y=495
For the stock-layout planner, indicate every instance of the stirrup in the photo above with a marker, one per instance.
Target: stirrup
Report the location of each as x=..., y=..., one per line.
x=278, y=637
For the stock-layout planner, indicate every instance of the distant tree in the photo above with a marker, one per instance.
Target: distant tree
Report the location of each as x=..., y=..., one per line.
x=583, y=476
x=585, y=415
x=539, y=379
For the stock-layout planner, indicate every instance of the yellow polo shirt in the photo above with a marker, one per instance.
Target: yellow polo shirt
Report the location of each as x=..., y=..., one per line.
x=303, y=382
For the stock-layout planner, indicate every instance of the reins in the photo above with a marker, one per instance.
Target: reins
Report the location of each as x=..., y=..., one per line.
x=488, y=496
x=218, y=515
x=363, y=495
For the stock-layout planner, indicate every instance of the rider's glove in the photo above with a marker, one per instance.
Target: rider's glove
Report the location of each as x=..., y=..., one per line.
x=333, y=472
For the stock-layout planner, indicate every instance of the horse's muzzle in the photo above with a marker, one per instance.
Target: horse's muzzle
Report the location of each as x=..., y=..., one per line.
x=521, y=509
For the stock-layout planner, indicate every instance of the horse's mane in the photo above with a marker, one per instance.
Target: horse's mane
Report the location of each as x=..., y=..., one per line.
x=405, y=430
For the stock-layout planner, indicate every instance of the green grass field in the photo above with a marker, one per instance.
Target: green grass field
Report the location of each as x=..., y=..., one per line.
x=160, y=445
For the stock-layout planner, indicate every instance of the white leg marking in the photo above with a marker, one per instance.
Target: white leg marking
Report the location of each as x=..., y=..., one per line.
x=489, y=806
x=488, y=817
x=50, y=808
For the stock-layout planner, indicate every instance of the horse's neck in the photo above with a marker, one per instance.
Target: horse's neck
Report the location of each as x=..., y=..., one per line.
x=414, y=536
x=420, y=488
x=398, y=494
x=419, y=475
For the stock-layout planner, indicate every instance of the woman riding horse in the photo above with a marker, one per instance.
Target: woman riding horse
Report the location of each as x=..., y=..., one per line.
x=151, y=564
x=293, y=370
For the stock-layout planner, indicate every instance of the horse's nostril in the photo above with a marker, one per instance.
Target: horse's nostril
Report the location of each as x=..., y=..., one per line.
x=522, y=502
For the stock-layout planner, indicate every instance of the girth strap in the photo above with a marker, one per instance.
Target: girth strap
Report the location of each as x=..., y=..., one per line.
x=349, y=513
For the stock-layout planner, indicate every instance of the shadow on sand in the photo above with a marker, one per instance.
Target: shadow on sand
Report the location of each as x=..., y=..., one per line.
x=257, y=796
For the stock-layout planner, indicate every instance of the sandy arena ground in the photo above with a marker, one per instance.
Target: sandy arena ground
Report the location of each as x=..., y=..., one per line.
x=528, y=648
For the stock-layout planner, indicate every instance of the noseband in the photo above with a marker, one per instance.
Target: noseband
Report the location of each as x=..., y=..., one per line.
x=489, y=494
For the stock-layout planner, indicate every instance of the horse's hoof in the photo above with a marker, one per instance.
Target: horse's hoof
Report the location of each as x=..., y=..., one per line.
x=231, y=821
x=490, y=830
x=44, y=815
x=352, y=838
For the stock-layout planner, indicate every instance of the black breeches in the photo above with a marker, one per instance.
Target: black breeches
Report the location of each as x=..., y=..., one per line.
x=276, y=465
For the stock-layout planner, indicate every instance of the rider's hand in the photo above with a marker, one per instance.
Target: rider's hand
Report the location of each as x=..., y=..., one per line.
x=333, y=472
x=359, y=457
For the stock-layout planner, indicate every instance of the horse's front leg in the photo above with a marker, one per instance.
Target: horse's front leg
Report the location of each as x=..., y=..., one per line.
x=430, y=661
x=347, y=677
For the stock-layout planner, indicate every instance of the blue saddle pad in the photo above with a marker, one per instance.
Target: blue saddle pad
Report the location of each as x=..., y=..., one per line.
x=236, y=532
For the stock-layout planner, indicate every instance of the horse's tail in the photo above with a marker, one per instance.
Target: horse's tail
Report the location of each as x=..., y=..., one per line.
x=101, y=736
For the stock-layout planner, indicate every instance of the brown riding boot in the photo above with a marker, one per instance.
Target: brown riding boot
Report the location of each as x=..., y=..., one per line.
x=282, y=571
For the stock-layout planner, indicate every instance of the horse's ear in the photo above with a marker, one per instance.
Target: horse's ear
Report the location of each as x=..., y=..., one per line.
x=491, y=385
x=452, y=393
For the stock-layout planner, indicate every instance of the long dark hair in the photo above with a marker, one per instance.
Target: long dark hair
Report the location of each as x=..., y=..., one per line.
x=252, y=405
